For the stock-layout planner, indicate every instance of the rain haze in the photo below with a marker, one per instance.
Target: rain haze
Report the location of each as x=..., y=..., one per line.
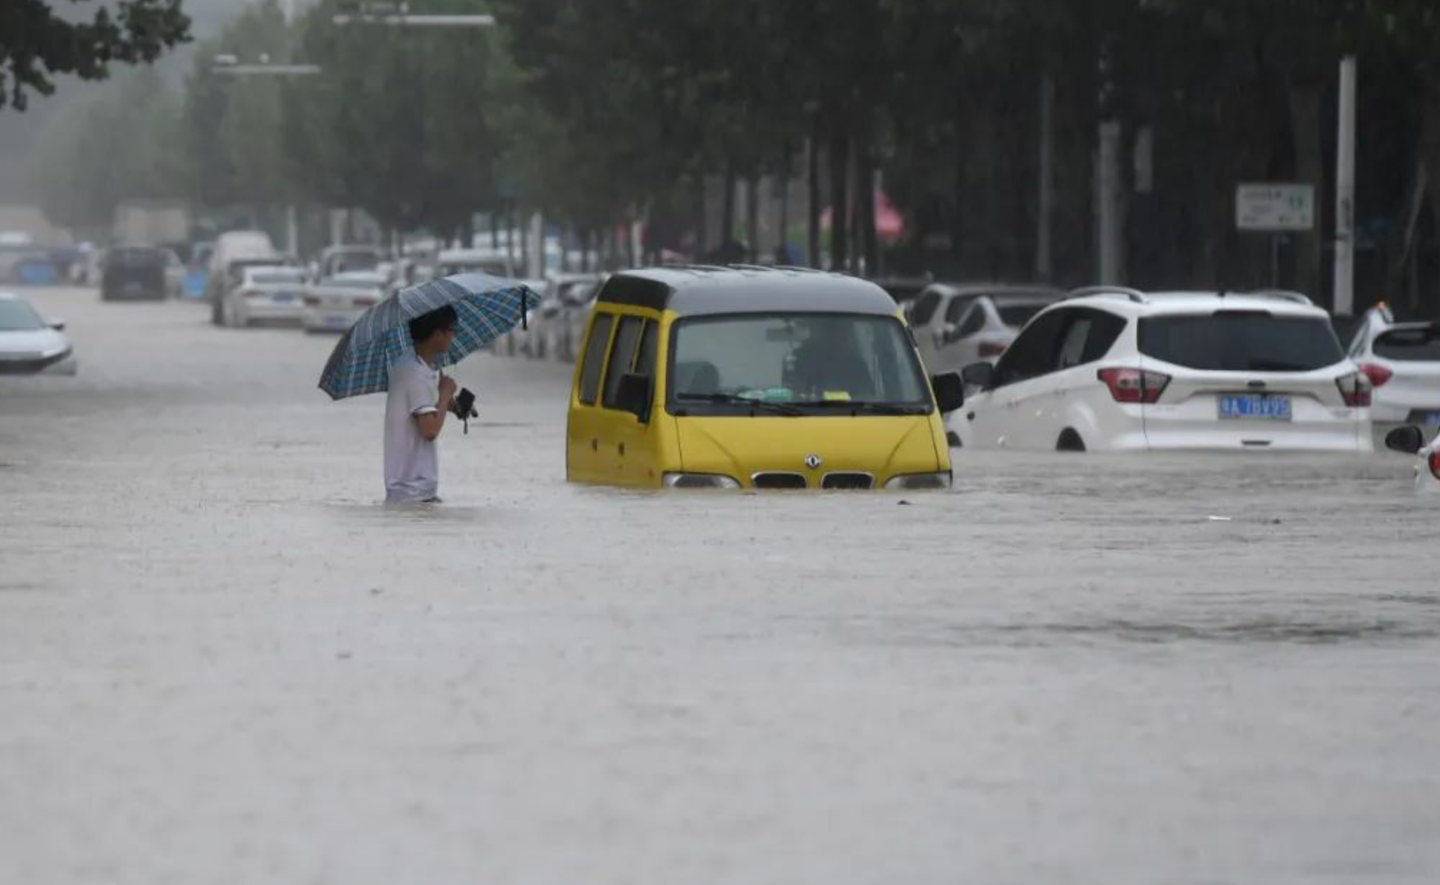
x=916, y=442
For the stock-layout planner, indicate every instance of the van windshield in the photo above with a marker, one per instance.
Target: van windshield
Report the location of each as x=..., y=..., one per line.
x=816, y=363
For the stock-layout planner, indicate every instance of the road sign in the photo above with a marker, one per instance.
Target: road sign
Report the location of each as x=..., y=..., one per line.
x=1275, y=208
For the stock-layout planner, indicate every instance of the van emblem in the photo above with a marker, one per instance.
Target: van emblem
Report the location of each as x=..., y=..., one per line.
x=813, y=462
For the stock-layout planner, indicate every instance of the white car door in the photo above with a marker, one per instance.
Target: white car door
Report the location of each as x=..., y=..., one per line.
x=1081, y=402
x=955, y=344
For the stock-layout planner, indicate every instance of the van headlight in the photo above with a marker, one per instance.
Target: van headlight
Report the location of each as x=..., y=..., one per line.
x=915, y=482
x=699, y=481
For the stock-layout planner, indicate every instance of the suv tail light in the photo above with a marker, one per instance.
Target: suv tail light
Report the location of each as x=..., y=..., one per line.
x=311, y=300
x=1356, y=389
x=1379, y=375
x=1134, y=385
x=1435, y=463
x=991, y=349
x=250, y=293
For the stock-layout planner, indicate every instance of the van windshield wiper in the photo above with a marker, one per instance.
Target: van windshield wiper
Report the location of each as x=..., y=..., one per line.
x=860, y=406
x=730, y=399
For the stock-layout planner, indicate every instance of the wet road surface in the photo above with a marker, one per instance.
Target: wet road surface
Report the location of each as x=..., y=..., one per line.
x=221, y=661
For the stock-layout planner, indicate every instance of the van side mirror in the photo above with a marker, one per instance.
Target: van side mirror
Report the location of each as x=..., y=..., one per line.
x=59, y=326
x=949, y=392
x=981, y=375
x=634, y=396
x=1409, y=440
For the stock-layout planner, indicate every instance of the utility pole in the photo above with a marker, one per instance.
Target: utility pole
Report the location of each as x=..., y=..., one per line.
x=1045, y=211
x=1345, y=191
x=1109, y=228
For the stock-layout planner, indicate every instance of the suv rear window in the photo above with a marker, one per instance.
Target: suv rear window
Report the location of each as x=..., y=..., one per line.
x=1410, y=345
x=1241, y=341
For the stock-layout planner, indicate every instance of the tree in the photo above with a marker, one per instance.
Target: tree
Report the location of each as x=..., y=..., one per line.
x=36, y=43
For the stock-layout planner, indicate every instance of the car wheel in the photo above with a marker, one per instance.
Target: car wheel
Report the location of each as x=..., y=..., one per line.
x=1070, y=441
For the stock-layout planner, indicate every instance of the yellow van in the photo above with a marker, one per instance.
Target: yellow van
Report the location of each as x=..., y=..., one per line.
x=705, y=377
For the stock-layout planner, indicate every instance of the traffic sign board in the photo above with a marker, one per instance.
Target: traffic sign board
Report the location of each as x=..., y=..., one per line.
x=1275, y=207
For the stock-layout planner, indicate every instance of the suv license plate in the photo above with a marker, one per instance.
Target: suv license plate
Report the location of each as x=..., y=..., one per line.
x=1264, y=406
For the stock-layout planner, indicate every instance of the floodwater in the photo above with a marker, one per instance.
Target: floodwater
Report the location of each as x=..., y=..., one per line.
x=221, y=661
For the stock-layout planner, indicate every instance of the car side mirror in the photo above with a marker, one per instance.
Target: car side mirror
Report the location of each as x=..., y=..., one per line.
x=949, y=392
x=981, y=375
x=634, y=396
x=1409, y=440
x=59, y=326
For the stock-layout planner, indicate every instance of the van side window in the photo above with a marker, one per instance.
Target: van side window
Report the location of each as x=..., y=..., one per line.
x=595, y=347
x=645, y=358
x=622, y=356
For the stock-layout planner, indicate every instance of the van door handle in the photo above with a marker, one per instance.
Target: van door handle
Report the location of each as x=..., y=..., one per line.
x=594, y=445
x=622, y=450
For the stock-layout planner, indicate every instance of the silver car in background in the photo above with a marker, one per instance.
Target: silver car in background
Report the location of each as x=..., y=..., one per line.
x=335, y=303
x=957, y=325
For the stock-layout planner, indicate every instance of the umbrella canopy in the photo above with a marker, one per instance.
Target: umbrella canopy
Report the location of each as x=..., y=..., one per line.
x=487, y=307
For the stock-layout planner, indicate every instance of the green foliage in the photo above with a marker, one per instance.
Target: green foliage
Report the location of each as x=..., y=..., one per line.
x=37, y=43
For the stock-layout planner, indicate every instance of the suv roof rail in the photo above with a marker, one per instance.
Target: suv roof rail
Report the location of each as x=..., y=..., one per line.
x=1134, y=295
x=1283, y=295
x=797, y=269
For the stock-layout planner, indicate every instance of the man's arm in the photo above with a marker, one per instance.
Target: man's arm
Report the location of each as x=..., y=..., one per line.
x=431, y=423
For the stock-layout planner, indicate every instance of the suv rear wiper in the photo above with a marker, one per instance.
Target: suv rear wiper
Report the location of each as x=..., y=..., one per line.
x=858, y=406
x=730, y=399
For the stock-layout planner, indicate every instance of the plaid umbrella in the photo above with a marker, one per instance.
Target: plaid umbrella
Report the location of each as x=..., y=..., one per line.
x=487, y=308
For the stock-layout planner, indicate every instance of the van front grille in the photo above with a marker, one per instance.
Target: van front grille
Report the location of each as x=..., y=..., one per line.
x=779, y=481
x=849, y=482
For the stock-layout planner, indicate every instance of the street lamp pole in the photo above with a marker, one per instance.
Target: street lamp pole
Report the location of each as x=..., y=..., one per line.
x=230, y=65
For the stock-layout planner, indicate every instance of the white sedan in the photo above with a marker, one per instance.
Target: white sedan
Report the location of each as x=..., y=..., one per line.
x=335, y=303
x=1410, y=440
x=265, y=294
x=28, y=344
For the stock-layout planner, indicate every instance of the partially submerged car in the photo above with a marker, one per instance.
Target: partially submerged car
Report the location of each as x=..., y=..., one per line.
x=30, y=345
x=728, y=378
x=134, y=273
x=1410, y=440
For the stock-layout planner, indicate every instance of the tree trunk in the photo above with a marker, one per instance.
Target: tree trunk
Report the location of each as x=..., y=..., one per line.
x=1306, y=102
x=865, y=212
x=839, y=159
x=727, y=211
x=812, y=202
x=752, y=217
x=702, y=233
x=782, y=238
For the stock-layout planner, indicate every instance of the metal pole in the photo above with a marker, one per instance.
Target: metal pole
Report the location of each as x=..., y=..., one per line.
x=1107, y=197
x=1044, y=258
x=1345, y=192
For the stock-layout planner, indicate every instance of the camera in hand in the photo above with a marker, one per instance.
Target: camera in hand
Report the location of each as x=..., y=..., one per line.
x=463, y=407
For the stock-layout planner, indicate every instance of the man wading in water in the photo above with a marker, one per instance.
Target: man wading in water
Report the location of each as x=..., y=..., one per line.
x=415, y=411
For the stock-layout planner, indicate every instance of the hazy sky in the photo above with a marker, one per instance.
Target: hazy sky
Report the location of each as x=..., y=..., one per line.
x=17, y=130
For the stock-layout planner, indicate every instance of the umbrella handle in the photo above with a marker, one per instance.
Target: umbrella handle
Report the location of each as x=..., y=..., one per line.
x=524, y=314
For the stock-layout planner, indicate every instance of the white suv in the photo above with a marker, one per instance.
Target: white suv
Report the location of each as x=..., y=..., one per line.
x=1120, y=370
x=1402, y=360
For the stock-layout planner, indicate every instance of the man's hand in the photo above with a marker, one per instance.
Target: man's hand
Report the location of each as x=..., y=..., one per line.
x=447, y=389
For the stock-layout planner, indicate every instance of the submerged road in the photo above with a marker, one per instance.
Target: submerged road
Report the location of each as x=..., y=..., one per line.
x=221, y=661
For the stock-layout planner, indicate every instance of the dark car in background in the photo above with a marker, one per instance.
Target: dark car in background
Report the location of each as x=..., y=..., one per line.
x=134, y=273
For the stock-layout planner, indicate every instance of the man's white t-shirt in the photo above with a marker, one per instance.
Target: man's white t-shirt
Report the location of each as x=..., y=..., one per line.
x=412, y=468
